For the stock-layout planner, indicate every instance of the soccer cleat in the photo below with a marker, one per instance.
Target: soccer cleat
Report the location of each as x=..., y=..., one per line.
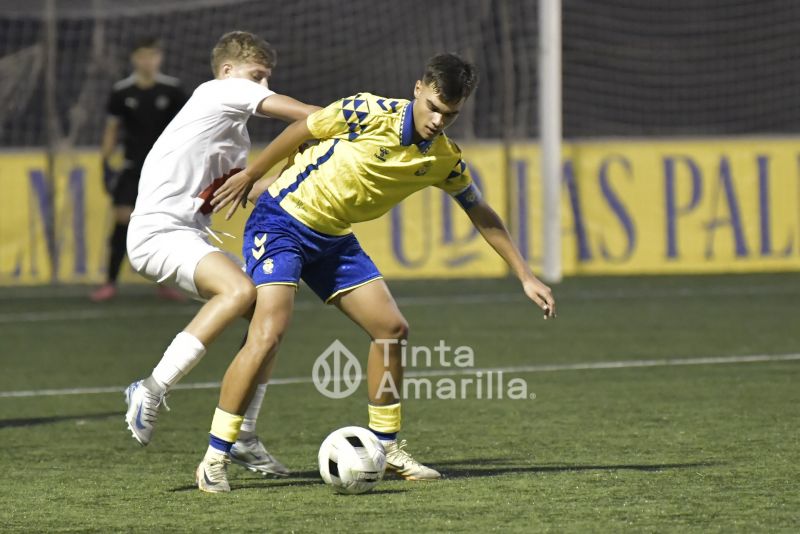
x=251, y=454
x=103, y=293
x=142, y=412
x=212, y=473
x=399, y=461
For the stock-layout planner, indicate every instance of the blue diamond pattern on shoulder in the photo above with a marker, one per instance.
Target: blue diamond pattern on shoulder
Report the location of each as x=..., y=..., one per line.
x=355, y=112
x=393, y=105
x=381, y=104
x=459, y=169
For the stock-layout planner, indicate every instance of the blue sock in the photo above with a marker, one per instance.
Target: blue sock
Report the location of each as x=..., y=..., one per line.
x=385, y=436
x=219, y=444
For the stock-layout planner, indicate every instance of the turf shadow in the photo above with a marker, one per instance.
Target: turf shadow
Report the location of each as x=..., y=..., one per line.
x=295, y=478
x=272, y=483
x=38, y=421
x=473, y=468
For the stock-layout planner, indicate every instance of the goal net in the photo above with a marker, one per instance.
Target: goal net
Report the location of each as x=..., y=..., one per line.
x=630, y=68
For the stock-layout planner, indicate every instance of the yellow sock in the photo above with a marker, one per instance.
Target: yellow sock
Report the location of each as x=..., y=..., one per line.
x=384, y=421
x=224, y=430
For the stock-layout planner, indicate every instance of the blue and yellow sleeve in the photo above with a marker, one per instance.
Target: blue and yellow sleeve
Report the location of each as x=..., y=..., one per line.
x=344, y=119
x=460, y=186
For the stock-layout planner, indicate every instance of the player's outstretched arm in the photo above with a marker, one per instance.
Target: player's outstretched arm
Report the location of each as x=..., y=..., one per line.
x=285, y=108
x=262, y=185
x=491, y=227
x=235, y=190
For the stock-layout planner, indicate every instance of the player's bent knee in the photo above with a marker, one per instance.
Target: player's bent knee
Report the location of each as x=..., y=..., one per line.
x=401, y=329
x=264, y=341
x=244, y=294
x=396, y=329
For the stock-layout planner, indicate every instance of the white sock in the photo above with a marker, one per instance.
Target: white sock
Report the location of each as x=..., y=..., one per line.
x=211, y=452
x=251, y=415
x=180, y=357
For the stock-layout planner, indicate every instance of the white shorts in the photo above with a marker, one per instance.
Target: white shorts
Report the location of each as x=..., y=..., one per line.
x=167, y=250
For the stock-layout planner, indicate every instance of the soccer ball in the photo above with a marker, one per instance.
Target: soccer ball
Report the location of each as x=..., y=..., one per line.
x=352, y=460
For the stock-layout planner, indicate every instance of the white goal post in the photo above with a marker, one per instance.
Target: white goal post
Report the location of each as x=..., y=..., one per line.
x=550, y=135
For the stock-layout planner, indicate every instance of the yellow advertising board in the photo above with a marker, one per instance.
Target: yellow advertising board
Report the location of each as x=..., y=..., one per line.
x=628, y=207
x=682, y=207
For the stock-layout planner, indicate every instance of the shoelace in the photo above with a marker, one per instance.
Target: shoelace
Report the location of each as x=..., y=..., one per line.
x=156, y=401
x=216, y=469
x=406, y=458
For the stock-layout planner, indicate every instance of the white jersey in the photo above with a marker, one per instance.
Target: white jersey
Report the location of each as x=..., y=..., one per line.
x=206, y=140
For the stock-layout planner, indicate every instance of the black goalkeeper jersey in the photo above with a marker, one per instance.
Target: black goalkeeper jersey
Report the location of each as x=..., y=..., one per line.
x=144, y=113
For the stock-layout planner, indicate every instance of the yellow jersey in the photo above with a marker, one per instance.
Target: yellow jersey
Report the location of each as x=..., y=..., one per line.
x=365, y=164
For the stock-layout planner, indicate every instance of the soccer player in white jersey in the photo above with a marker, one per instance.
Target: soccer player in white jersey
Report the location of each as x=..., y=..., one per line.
x=168, y=238
x=373, y=153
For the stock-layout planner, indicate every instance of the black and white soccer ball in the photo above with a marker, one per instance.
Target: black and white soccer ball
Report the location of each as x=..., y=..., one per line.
x=352, y=460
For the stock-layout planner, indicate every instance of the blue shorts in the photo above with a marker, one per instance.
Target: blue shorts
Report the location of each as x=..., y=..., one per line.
x=279, y=249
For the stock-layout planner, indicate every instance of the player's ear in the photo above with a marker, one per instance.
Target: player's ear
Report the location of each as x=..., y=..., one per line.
x=417, y=88
x=225, y=70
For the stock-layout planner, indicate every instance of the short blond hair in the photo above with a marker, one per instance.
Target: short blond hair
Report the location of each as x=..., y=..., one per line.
x=242, y=47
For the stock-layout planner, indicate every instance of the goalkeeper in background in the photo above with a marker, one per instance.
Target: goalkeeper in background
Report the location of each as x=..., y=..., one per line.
x=373, y=153
x=140, y=107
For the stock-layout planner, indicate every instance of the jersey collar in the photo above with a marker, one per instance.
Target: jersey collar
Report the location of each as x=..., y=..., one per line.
x=407, y=129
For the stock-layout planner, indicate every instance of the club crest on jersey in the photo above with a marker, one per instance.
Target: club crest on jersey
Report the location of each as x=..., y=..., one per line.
x=162, y=102
x=382, y=153
x=424, y=169
x=268, y=266
x=259, y=249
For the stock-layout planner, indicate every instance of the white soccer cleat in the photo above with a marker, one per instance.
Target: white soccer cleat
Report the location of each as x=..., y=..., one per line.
x=251, y=454
x=142, y=413
x=211, y=475
x=399, y=461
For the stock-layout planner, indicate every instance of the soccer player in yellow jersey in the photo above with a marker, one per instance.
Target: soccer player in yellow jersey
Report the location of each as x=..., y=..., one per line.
x=373, y=153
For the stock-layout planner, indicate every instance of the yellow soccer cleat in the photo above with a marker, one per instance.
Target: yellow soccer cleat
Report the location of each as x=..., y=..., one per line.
x=399, y=461
x=212, y=473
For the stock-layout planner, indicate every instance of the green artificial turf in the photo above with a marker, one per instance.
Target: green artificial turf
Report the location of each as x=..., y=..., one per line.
x=712, y=447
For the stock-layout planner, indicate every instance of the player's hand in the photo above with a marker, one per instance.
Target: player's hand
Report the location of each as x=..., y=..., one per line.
x=234, y=191
x=541, y=295
x=259, y=187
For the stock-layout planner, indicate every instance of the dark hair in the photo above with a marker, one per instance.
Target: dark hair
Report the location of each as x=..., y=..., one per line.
x=147, y=42
x=452, y=78
x=242, y=47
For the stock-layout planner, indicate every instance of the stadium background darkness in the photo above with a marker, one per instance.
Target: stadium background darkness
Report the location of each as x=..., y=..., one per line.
x=681, y=68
